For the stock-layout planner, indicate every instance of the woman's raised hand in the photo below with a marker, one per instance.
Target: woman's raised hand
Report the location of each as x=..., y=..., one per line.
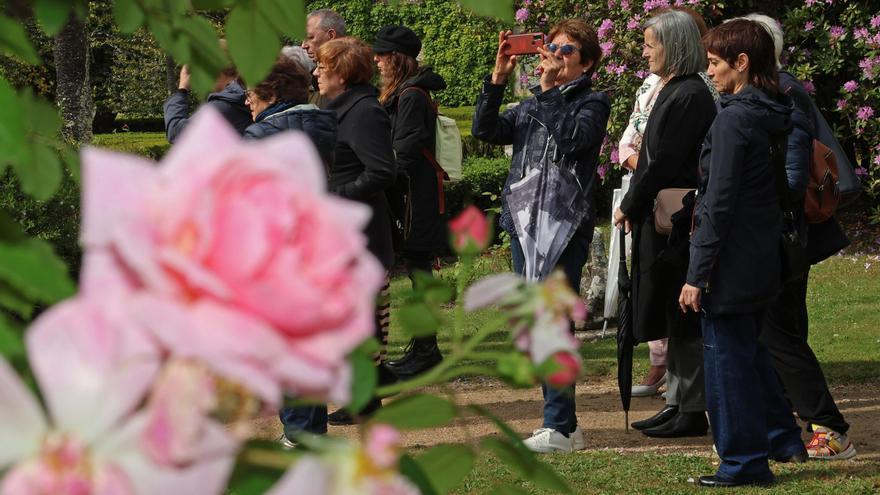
x=504, y=64
x=551, y=66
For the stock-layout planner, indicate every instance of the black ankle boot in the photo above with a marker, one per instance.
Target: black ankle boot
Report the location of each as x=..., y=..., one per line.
x=423, y=356
x=407, y=355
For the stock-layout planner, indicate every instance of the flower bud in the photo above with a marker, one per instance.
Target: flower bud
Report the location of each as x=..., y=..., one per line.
x=567, y=368
x=470, y=231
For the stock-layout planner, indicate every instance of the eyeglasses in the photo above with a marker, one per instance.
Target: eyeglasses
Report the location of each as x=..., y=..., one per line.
x=320, y=68
x=565, y=50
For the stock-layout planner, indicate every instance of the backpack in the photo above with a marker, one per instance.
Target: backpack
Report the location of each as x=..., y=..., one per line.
x=823, y=193
x=447, y=154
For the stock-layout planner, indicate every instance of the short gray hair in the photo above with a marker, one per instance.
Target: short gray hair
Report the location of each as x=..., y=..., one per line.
x=329, y=19
x=772, y=26
x=683, y=52
x=298, y=55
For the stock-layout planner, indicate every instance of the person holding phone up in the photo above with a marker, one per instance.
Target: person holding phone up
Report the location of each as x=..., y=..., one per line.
x=560, y=129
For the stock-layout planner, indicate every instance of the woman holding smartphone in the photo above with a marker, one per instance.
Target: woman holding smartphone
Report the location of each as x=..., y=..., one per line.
x=561, y=127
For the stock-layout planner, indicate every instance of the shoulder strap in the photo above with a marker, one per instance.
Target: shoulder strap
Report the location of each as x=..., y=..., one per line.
x=422, y=91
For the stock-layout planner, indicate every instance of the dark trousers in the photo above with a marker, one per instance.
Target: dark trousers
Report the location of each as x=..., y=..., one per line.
x=559, y=405
x=418, y=261
x=785, y=336
x=750, y=418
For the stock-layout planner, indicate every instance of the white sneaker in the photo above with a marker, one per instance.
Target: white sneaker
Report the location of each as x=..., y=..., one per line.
x=545, y=440
x=578, y=442
x=286, y=443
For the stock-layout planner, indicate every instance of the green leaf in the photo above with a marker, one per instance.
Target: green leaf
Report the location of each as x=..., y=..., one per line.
x=52, y=14
x=416, y=411
x=128, y=15
x=285, y=16
x=12, y=300
x=259, y=466
x=253, y=47
x=42, y=175
x=366, y=378
x=33, y=269
x=14, y=41
x=418, y=320
x=413, y=471
x=42, y=116
x=10, y=230
x=511, y=435
x=499, y=9
x=545, y=477
x=12, y=129
x=447, y=465
x=211, y=4
x=11, y=341
x=516, y=369
x=526, y=465
x=204, y=42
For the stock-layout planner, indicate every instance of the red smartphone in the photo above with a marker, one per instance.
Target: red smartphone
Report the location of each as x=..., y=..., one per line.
x=523, y=44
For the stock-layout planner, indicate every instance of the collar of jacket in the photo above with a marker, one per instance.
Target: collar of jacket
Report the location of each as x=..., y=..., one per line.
x=232, y=92
x=278, y=106
x=581, y=83
x=343, y=103
x=303, y=107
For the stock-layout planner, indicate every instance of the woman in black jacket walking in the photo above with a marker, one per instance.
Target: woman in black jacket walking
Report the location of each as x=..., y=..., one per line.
x=734, y=270
x=679, y=120
x=406, y=96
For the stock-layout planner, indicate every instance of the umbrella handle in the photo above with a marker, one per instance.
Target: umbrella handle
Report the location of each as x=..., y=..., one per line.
x=626, y=421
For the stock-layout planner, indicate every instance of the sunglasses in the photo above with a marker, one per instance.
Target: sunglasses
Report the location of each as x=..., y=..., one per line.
x=565, y=50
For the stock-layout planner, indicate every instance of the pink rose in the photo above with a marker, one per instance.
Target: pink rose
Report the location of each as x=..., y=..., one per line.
x=470, y=231
x=235, y=255
x=568, y=368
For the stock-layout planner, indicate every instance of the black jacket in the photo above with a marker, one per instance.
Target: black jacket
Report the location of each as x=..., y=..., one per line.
x=319, y=125
x=364, y=164
x=669, y=157
x=735, y=255
x=229, y=102
x=826, y=238
x=413, y=131
x=560, y=127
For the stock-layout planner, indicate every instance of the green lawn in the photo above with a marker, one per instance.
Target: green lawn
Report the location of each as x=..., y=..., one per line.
x=845, y=312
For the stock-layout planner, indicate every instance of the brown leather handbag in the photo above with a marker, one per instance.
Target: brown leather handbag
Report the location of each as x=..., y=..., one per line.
x=667, y=203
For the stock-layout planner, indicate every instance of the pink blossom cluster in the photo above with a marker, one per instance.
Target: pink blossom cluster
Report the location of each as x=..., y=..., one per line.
x=865, y=113
x=226, y=267
x=543, y=315
x=615, y=68
x=606, y=48
x=521, y=15
x=605, y=28
x=836, y=32
x=655, y=4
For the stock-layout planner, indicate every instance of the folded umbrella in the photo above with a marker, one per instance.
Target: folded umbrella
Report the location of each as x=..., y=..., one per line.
x=625, y=339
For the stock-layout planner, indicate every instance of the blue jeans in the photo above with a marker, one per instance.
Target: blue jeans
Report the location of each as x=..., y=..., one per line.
x=559, y=406
x=310, y=419
x=751, y=420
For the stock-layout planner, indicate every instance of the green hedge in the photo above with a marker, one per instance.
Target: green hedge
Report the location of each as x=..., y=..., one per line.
x=151, y=145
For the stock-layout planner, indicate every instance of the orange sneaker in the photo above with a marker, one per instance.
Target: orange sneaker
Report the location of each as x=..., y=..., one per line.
x=827, y=444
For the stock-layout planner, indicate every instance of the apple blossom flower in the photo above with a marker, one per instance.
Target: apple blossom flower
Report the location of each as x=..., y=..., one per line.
x=850, y=86
x=235, y=256
x=349, y=469
x=470, y=231
x=541, y=312
x=94, y=367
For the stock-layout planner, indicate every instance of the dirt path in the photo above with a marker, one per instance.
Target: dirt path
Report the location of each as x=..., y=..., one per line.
x=601, y=417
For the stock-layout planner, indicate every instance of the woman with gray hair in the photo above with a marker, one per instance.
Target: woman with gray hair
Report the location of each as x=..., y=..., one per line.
x=681, y=115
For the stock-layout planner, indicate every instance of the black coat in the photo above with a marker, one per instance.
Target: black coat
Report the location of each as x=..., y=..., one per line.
x=319, y=125
x=413, y=131
x=669, y=157
x=364, y=164
x=564, y=126
x=229, y=102
x=735, y=256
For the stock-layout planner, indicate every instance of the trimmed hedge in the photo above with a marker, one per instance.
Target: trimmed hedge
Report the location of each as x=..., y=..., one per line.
x=152, y=145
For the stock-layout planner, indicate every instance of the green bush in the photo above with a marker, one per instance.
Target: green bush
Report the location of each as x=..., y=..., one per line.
x=481, y=185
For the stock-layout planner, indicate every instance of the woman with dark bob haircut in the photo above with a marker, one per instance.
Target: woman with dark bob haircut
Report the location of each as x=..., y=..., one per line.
x=556, y=136
x=734, y=270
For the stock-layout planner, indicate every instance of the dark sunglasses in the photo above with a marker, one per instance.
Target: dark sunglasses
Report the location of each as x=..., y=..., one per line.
x=566, y=49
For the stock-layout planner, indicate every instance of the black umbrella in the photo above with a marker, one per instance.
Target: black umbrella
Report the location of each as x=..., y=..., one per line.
x=625, y=340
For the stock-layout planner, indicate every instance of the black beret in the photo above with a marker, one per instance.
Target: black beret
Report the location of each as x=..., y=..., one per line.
x=397, y=39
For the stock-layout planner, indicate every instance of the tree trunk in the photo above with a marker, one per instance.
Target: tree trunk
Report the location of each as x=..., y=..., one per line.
x=171, y=72
x=74, y=91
